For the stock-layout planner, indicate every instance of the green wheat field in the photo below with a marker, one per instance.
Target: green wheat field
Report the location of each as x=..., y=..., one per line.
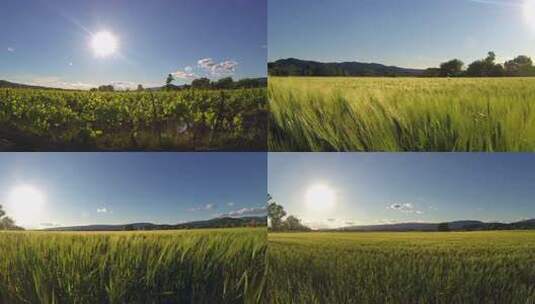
x=208, y=266
x=401, y=114
x=411, y=267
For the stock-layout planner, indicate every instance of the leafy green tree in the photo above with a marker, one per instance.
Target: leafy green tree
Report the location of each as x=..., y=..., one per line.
x=201, y=83
x=276, y=213
x=168, y=81
x=485, y=67
x=520, y=66
x=6, y=223
x=292, y=223
x=224, y=83
x=451, y=68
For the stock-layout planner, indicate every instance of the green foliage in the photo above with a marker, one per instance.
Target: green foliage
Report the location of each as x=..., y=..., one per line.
x=209, y=266
x=402, y=114
x=143, y=120
x=428, y=267
x=451, y=68
x=7, y=223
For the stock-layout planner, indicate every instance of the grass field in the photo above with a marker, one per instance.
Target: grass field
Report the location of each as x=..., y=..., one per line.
x=208, y=266
x=416, y=267
x=402, y=114
x=52, y=120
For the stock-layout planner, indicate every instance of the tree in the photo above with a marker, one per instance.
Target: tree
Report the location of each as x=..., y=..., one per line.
x=485, y=67
x=276, y=214
x=224, y=83
x=521, y=65
x=106, y=88
x=443, y=227
x=451, y=68
x=201, y=83
x=292, y=223
x=6, y=223
x=168, y=81
x=139, y=87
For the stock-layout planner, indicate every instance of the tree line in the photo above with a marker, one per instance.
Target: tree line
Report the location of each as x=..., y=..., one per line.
x=226, y=83
x=521, y=65
x=279, y=220
x=6, y=222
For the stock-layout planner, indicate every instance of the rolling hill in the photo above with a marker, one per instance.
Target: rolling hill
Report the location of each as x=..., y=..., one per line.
x=220, y=222
x=469, y=225
x=297, y=67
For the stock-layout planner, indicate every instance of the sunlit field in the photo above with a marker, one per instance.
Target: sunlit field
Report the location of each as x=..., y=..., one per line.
x=402, y=114
x=419, y=267
x=205, y=120
x=195, y=266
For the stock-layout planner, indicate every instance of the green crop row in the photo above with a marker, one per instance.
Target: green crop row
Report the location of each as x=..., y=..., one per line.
x=162, y=120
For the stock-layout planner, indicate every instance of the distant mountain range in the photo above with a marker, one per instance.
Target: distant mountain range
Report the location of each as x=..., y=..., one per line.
x=452, y=226
x=220, y=222
x=297, y=67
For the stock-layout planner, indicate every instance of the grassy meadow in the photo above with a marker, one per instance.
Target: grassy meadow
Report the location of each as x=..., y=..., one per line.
x=186, y=120
x=401, y=114
x=193, y=266
x=412, y=267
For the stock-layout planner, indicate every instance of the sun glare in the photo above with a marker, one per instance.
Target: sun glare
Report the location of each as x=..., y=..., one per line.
x=320, y=197
x=104, y=44
x=529, y=13
x=24, y=204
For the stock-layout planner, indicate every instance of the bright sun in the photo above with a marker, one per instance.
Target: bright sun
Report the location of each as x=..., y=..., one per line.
x=320, y=197
x=25, y=204
x=104, y=44
x=529, y=13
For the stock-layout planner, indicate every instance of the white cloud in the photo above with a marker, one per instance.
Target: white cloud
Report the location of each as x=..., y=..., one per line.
x=255, y=211
x=497, y=2
x=184, y=74
x=11, y=50
x=209, y=206
x=56, y=82
x=404, y=207
x=227, y=67
x=230, y=204
x=102, y=210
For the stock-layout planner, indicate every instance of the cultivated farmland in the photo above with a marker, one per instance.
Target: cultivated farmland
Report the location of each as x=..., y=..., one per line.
x=193, y=266
x=412, y=267
x=401, y=114
x=191, y=119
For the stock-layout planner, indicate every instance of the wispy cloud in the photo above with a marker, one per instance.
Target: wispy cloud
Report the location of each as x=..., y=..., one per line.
x=230, y=204
x=11, y=49
x=259, y=211
x=56, y=82
x=185, y=74
x=510, y=3
x=404, y=207
x=209, y=206
x=102, y=210
x=227, y=67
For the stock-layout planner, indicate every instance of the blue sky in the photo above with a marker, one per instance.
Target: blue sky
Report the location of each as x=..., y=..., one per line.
x=409, y=33
x=47, y=42
x=118, y=188
x=375, y=188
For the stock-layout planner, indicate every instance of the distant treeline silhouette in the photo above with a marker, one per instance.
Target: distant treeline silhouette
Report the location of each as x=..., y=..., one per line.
x=520, y=66
x=226, y=83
